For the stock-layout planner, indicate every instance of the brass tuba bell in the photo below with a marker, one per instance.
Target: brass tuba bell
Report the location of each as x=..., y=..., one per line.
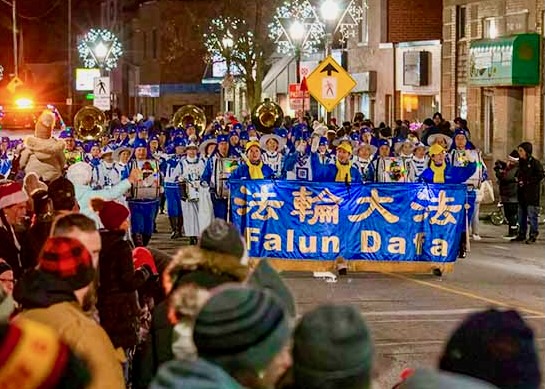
x=266, y=116
x=190, y=114
x=89, y=123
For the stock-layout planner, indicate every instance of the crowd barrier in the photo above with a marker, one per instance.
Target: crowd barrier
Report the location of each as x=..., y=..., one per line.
x=309, y=226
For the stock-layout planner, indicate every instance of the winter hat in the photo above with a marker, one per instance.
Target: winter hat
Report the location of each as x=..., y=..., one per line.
x=80, y=173
x=32, y=356
x=494, y=346
x=514, y=156
x=222, y=237
x=11, y=193
x=111, y=213
x=67, y=259
x=526, y=146
x=241, y=328
x=251, y=144
x=431, y=379
x=265, y=277
x=62, y=194
x=141, y=256
x=44, y=125
x=331, y=344
x=346, y=147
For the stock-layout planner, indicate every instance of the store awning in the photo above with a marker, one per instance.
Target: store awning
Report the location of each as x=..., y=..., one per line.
x=506, y=61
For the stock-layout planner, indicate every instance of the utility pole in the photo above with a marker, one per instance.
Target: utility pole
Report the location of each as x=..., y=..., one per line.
x=15, y=51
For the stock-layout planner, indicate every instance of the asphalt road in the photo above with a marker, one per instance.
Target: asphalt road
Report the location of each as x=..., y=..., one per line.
x=411, y=316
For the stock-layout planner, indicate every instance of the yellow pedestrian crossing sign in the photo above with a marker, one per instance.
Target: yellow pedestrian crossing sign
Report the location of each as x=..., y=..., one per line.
x=329, y=83
x=14, y=83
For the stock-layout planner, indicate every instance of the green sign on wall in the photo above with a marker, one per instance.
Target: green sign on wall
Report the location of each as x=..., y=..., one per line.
x=506, y=61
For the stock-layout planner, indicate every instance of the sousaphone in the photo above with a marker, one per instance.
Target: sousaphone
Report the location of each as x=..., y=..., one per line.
x=89, y=123
x=266, y=116
x=190, y=114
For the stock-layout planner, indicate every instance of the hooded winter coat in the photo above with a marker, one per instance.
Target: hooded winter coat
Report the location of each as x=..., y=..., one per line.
x=50, y=301
x=529, y=177
x=193, y=265
x=117, y=302
x=45, y=157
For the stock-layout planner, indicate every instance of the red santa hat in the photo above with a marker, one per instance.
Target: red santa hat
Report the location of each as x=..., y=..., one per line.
x=11, y=193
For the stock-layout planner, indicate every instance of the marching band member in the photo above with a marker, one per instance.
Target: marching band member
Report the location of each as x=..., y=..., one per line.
x=252, y=131
x=441, y=139
x=234, y=144
x=206, y=149
x=131, y=129
x=440, y=172
x=342, y=170
x=107, y=173
x=192, y=170
x=123, y=137
x=144, y=198
x=420, y=158
x=461, y=153
x=93, y=158
x=253, y=167
x=300, y=164
x=368, y=137
x=71, y=153
x=404, y=150
x=387, y=167
x=172, y=171
x=243, y=139
x=6, y=158
x=122, y=155
x=216, y=175
x=363, y=161
x=324, y=156
x=272, y=157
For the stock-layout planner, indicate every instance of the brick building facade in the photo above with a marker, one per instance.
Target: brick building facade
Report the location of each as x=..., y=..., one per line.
x=501, y=112
x=391, y=36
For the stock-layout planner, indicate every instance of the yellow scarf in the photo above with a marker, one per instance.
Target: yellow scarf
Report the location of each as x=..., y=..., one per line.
x=438, y=173
x=343, y=172
x=256, y=171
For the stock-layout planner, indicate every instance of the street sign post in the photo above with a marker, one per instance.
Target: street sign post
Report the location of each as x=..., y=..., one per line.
x=101, y=92
x=298, y=99
x=329, y=83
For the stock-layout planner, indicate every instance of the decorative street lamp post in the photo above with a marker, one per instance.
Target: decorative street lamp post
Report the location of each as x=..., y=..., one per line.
x=297, y=34
x=100, y=48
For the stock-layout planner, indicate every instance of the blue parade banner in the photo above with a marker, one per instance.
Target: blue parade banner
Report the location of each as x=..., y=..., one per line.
x=296, y=220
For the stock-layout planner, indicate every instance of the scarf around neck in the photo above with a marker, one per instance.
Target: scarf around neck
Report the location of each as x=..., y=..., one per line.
x=256, y=171
x=438, y=173
x=343, y=172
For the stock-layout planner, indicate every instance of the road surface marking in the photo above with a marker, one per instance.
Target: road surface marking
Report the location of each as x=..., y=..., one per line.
x=432, y=312
x=500, y=247
x=466, y=294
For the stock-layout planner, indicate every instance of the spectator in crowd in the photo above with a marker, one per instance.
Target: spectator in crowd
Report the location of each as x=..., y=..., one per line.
x=54, y=293
x=506, y=174
x=13, y=207
x=530, y=175
x=497, y=347
x=119, y=278
x=218, y=260
x=62, y=197
x=80, y=175
x=7, y=281
x=242, y=337
x=332, y=348
x=43, y=154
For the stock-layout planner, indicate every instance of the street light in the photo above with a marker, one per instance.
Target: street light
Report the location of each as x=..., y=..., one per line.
x=297, y=33
x=101, y=51
x=227, y=43
x=330, y=12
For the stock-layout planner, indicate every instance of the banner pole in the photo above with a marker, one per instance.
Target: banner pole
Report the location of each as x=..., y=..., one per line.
x=466, y=207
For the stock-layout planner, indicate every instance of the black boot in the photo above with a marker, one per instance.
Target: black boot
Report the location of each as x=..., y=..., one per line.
x=162, y=204
x=512, y=233
x=463, y=248
x=520, y=238
x=193, y=240
x=173, y=227
x=180, y=226
x=532, y=238
x=146, y=239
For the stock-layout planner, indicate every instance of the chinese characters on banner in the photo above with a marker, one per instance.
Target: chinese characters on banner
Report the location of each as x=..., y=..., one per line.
x=383, y=222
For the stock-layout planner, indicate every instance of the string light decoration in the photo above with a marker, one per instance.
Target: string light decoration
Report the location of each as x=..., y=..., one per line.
x=351, y=19
x=230, y=39
x=100, y=48
x=298, y=11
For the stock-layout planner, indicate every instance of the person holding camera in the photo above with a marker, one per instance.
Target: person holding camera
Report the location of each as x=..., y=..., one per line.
x=506, y=174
